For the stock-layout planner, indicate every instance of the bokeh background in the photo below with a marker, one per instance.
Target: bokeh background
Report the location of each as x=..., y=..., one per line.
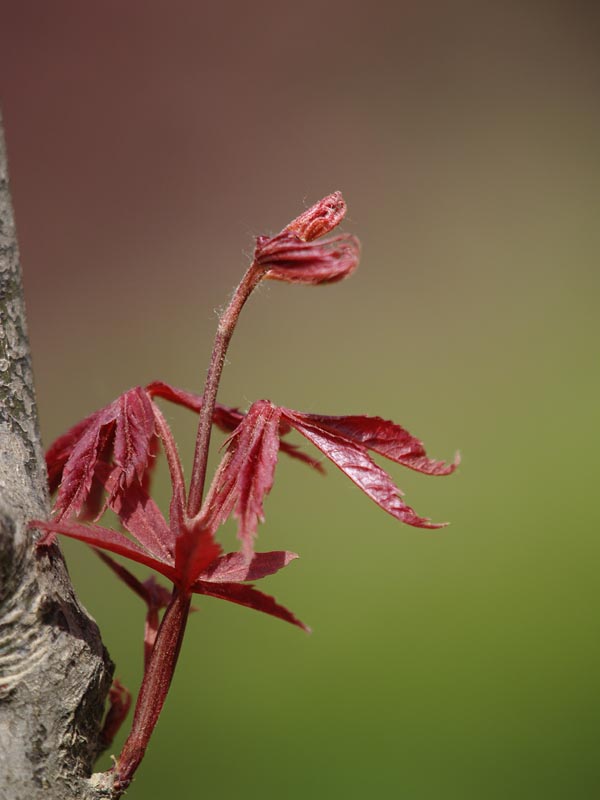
x=149, y=142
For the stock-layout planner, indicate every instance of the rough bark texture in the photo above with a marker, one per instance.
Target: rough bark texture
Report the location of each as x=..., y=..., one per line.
x=54, y=670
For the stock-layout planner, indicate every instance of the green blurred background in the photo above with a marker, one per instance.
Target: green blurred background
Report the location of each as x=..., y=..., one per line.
x=149, y=142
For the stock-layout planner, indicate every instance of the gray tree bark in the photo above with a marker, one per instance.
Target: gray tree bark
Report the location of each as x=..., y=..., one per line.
x=54, y=671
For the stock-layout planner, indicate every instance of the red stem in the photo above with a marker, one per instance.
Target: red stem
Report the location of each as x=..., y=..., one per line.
x=175, y=469
x=177, y=510
x=160, y=665
x=227, y=324
x=150, y=634
x=154, y=688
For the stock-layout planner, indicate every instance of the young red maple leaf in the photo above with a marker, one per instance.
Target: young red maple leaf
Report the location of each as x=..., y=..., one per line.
x=245, y=474
x=125, y=428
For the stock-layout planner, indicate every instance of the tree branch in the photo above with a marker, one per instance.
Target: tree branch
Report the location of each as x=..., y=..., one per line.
x=54, y=671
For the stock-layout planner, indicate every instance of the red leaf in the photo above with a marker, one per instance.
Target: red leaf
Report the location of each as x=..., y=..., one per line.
x=143, y=519
x=113, y=541
x=195, y=549
x=175, y=395
x=79, y=469
x=227, y=419
x=288, y=258
x=129, y=423
x=294, y=451
x=383, y=437
x=159, y=596
x=94, y=505
x=59, y=451
x=134, y=435
x=247, y=596
x=153, y=451
x=235, y=567
x=354, y=461
x=246, y=472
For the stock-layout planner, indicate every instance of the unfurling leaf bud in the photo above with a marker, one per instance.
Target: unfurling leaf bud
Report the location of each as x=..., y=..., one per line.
x=294, y=257
x=319, y=219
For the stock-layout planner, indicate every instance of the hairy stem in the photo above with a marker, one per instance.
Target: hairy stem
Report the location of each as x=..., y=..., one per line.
x=154, y=688
x=225, y=329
